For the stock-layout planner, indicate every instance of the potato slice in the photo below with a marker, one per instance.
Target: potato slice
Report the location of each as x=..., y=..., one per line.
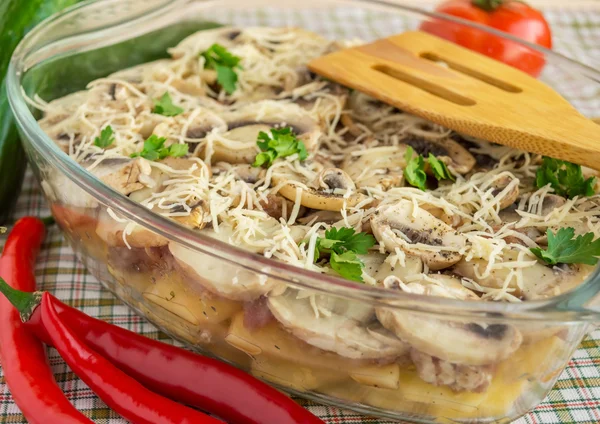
x=274, y=342
x=541, y=362
x=188, y=315
x=79, y=225
x=382, y=376
x=191, y=306
x=292, y=375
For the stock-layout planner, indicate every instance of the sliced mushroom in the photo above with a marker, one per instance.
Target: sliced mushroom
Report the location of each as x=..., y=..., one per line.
x=231, y=282
x=323, y=100
x=381, y=166
x=454, y=340
x=122, y=174
x=189, y=125
x=483, y=161
x=508, y=186
x=452, y=220
x=446, y=149
x=125, y=233
x=538, y=281
x=458, y=377
x=58, y=123
x=238, y=143
x=333, y=324
x=330, y=191
x=365, y=108
x=327, y=217
x=379, y=267
x=419, y=233
x=275, y=205
x=120, y=234
x=548, y=204
x=273, y=342
x=245, y=172
x=155, y=181
x=551, y=202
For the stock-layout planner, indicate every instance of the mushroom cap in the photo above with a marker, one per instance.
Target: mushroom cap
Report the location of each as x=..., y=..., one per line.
x=454, y=340
x=379, y=266
x=446, y=149
x=538, y=282
x=342, y=327
x=377, y=166
x=508, y=186
x=237, y=144
x=331, y=190
x=417, y=232
x=230, y=282
x=189, y=125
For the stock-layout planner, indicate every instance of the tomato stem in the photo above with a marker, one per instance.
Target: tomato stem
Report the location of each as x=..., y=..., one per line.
x=488, y=5
x=24, y=302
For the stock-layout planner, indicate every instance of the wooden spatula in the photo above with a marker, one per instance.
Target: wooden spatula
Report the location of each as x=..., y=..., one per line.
x=467, y=92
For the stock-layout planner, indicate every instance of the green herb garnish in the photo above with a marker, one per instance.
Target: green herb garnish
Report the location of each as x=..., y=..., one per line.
x=439, y=168
x=414, y=172
x=221, y=60
x=343, y=244
x=563, y=248
x=164, y=106
x=106, y=138
x=280, y=143
x=154, y=149
x=348, y=265
x=565, y=178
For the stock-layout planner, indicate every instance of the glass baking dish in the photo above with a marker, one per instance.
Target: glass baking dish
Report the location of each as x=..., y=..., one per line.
x=95, y=39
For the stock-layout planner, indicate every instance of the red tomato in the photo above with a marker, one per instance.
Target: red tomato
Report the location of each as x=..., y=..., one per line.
x=511, y=16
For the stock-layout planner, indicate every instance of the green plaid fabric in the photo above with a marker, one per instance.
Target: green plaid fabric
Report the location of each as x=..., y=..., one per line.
x=575, y=398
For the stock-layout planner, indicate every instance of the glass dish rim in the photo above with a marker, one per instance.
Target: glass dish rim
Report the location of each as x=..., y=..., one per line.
x=568, y=307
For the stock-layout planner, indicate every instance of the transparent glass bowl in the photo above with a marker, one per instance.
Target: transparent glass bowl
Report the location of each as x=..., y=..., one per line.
x=94, y=39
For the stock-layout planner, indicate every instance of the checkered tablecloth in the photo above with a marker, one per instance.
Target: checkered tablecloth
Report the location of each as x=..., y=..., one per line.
x=575, y=399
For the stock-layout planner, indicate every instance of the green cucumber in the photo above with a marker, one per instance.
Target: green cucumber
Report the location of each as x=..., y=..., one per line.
x=17, y=17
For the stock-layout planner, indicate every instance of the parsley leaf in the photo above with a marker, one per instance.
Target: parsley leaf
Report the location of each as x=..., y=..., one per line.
x=221, y=60
x=343, y=244
x=563, y=248
x=565, y=178
x=348, y=239
x=154, y=149
x=280, y=143
x=348, y=265
x=106, y=138
x=164, y=106
x=415, y=169
x=439, y=168
x=178, y=150
x=227, y=78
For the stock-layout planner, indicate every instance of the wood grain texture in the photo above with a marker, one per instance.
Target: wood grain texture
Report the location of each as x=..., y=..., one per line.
x=480, y=97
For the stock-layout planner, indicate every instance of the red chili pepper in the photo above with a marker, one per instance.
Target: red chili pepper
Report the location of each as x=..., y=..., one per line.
x=23, y=356
x=184, y=376
x=122, y=393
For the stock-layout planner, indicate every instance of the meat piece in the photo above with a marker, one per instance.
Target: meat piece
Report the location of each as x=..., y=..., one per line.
x=257, y=314
x=456, y=376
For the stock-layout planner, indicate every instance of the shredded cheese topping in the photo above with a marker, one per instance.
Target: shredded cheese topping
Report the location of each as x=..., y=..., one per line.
x=280, y=212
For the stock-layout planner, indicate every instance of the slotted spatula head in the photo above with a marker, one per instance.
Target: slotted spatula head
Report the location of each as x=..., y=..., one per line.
x=467, y=92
